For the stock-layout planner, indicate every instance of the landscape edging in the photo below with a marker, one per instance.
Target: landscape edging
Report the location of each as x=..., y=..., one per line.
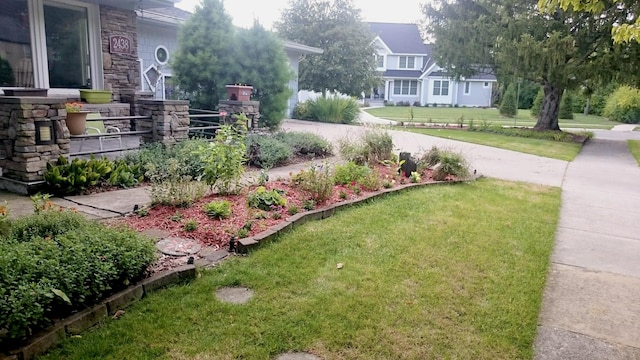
x=245, y=245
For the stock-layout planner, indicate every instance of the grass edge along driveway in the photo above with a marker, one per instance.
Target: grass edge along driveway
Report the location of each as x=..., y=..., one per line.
x=437, y=272
x=545, y=148
x=634, y=148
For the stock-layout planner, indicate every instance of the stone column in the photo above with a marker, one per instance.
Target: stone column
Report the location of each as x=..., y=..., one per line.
x=169, y=121
x=250, y=108
x=22, y=160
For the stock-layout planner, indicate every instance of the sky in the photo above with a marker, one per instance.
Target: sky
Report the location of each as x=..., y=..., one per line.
x=267, y=12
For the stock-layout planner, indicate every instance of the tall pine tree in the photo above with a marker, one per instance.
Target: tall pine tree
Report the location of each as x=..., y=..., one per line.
x=201, y=65
x=262, y=63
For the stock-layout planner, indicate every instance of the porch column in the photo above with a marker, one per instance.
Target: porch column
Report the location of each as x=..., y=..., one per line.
x=168, y=122
x=33, y=133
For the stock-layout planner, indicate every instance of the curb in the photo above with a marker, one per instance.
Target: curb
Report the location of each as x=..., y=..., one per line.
x=87, y=318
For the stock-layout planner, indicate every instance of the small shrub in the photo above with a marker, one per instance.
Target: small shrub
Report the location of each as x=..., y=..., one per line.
x=508, y=105
x=623, y=105
x=414, y=177
x=309, y=204
x=566, y=107
x=55, y=262
x=333, y=109
x=267, y=152
x=317, y=181
x=373, y=146
x=451, y=163
x=276, y=216
x=430, y=158
x=349, y=172
x=174, y=189
x=417, y=103
x=190, y=225
x=218, y=209
x=343, y=195
x=264, y=199
x=177, y=217
x=371, y=181
x=387, y=184
x=304, y=143
x=292, y=210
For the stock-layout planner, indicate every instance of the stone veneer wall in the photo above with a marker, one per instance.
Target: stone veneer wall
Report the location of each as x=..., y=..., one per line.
x=169, y=121
x=20, y=158
x=250, y=108
x=121, y=71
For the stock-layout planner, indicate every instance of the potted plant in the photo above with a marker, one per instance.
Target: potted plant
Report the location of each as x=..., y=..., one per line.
x=76, y=118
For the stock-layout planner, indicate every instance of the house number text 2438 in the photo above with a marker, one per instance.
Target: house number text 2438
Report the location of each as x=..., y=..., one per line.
x=119, y=44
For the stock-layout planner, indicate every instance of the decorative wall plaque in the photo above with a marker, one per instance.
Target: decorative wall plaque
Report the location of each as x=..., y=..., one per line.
x=120, y=44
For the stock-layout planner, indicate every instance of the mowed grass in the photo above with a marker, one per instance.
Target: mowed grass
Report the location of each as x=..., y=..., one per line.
x=634, y=148
x=437, y=272
x=546, y=148
x=491, y=115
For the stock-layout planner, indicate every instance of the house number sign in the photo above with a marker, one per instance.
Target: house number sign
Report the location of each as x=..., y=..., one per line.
x=119, y=44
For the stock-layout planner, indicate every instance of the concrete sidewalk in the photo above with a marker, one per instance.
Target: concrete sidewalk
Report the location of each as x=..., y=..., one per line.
x=591, y=306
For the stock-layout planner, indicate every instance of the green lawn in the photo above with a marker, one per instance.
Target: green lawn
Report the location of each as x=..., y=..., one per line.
x=453, y=115
x=437, y=272
x=634, y=147
x=547, y=148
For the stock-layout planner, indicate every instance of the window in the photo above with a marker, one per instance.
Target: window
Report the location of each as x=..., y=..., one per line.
x=162, y=55
x=53, y=44
x=407, y=62
x=441, y=87
x=379, y=60
x=405, y=87
x=467, y=88
x=67, y=45
x=486, y=84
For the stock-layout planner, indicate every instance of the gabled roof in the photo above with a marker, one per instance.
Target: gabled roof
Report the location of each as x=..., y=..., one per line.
x=400, y=38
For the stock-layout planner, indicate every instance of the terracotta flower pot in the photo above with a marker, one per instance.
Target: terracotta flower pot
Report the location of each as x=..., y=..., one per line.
x=77, y=122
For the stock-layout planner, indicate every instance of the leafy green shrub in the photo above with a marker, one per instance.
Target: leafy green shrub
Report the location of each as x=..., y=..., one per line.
x=126, y=175
x=373, y=146
x=508, y=105
x=223, y=159
x=333, y=109
x=66, y=178
x=566, y=107
x=624, y=105
x=57, y=261
x=371, y=181
x=451, y=163
x=430, y=158
x=292, y=210
x=317, y=181
x=349, y=172
x=264, y=199
x=266, y=151
x=220, y=209
x=301, y=111
x=304, y=143
x=309, y=204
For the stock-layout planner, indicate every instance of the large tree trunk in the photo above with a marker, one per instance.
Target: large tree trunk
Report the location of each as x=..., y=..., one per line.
x=548, y=118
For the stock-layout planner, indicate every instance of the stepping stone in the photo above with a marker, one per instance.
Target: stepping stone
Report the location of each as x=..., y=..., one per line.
x=178, y=247
x=297, y=356
x=234, y=295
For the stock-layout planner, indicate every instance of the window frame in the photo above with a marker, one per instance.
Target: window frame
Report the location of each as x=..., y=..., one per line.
x=38, y=44
x=438, y=87
x=401, y=85
x=467, y=88
x=406, y=62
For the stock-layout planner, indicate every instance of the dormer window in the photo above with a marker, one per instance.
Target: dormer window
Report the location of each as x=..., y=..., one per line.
x=407, y=62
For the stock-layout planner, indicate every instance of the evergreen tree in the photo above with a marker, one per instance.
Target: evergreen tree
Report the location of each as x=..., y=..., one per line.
x=202, y=64
x=537, y=103
x=347, y=64
x=566, y=107
x=508, y=105
x=262, y=63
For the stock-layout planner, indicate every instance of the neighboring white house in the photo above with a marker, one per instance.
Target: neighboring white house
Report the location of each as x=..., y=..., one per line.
x=158, y=39
x=411, y=75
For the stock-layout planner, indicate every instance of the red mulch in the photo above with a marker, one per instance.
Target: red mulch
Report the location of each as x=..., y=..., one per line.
x=216, y=233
